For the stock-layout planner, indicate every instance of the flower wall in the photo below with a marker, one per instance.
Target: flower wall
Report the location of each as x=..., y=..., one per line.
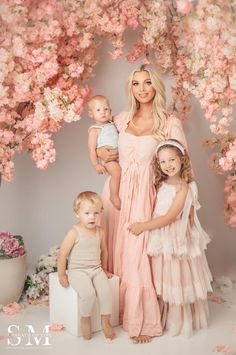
x=49, y=50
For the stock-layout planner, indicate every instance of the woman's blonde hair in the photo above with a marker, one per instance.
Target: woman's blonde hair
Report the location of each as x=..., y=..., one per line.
x=159, y=101
x=186, y=169
x=90, y=196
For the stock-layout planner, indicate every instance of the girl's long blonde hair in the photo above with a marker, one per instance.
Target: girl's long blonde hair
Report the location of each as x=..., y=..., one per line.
x=186, y=172
x=159, y=101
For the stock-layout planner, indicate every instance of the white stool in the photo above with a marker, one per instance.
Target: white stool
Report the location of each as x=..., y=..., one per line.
x=64, y=306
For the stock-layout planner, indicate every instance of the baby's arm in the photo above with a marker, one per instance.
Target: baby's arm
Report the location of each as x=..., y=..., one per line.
x=162, y=221
x=65, y=249
x=104, y=253
x=92, y=142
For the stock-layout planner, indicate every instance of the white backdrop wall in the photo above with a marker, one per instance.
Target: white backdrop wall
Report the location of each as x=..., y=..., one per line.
x=38, y=205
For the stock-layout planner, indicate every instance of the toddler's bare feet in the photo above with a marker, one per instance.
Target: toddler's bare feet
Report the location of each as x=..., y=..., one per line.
x=141, y=339
x=107, y=328
x=115, y=200
x=85, y=323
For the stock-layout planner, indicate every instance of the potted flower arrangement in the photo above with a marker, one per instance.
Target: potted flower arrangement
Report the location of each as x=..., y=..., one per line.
x=12, y=267
x=36, y=288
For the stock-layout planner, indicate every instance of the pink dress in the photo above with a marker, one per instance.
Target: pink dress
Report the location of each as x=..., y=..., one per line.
x=139, y=308
x=180, y=271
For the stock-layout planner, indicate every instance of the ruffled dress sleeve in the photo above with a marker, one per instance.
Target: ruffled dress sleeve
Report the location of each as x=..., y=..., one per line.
x=174, y=130
x=197, y=238
x=121, y=120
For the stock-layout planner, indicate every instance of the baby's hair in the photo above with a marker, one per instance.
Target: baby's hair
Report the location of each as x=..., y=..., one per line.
x=97, y=98
x=186, y=169
x=90, y=196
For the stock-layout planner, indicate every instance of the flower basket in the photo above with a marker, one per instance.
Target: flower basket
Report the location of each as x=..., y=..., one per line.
x=12, y=267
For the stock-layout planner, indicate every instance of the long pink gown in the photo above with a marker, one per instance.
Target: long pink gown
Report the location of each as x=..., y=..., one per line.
x=140, y=313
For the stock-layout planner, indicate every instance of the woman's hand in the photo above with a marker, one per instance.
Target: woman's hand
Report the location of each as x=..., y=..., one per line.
x=107, y=153
x=136, y=228
x=64, y=280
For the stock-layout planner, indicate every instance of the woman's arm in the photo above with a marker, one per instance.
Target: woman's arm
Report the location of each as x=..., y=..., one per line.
x=64, y=251
x=162, y=221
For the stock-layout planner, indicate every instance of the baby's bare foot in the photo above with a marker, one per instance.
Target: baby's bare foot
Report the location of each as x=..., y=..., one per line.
x=115, y=200
x=107, y=328
x=85, y=323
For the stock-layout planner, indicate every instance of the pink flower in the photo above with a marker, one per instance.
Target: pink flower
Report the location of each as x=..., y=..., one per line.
x=75, y=70
x=184, y=6
x=223, y=349
x=56, y=327
x=216, y=299
x=12, y=308
x=18, y=252
x=132, y=23
x=10, y=245
x=117, y=53
x=5, y=235
x=146, y=60
x=227, y=111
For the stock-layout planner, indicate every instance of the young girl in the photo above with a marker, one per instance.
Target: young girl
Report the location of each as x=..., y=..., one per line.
x=180, y=271
x=85, y=244
x=104, y=133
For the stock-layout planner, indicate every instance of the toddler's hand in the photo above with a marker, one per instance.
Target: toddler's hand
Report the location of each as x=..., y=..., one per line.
x=100, y=169
x=109, y=274
x=64, y=281
x=136, y=228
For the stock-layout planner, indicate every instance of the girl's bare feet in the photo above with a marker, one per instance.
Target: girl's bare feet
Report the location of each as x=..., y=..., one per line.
x=107, y=328
x=85, y=323
x=141, y=339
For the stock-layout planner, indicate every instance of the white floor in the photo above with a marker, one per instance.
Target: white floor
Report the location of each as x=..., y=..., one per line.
x=220, y=332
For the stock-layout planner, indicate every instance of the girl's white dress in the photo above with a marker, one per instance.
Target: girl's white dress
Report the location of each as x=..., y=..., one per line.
x=180, y=271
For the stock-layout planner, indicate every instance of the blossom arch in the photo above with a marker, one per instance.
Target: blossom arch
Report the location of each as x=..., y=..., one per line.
x=49, y=51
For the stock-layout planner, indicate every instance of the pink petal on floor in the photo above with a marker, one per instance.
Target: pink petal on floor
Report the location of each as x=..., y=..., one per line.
x=56, y=327
x=216, y=299
x=2, y=337
x=12, y=308
x=223, y=349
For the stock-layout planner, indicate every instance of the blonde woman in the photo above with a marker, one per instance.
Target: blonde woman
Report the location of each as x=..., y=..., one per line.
x=141, y=129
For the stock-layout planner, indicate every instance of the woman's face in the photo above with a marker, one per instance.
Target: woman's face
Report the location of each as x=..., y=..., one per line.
x=142, y=87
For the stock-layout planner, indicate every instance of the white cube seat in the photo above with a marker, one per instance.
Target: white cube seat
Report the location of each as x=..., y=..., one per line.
x=64, y=306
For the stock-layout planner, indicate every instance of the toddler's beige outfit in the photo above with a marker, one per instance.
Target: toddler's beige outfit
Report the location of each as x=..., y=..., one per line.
x=86, y=275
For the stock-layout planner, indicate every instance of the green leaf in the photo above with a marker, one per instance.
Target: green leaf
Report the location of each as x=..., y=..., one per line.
x=20, y=239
